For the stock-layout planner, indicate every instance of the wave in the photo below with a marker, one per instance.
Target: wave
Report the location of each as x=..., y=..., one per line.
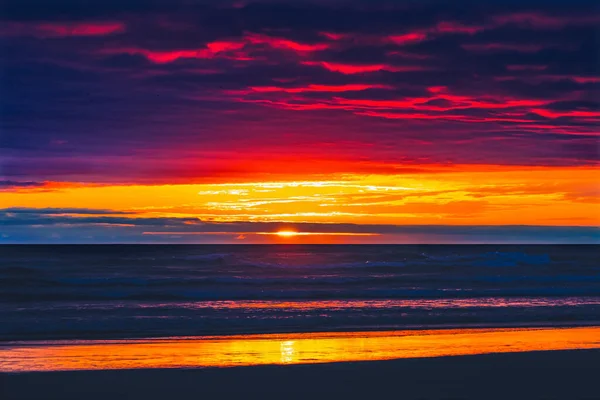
x=289, y=294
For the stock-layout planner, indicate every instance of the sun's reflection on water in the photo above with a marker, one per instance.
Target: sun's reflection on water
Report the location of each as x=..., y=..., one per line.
x=287, y=352
x=298, y=348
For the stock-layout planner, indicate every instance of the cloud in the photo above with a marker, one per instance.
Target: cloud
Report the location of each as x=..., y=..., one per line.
x=58, y=30
x=285, y=44
x=181, y=91
x=28, y=217
x=407, y=38
x=43, y=226
x=504, y=47
x=16, y=185
x=315, y=88
x=540, y=20
x=38, y=212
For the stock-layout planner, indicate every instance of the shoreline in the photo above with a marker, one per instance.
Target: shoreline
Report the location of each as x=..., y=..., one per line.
x=287, y=349
x=566, y=374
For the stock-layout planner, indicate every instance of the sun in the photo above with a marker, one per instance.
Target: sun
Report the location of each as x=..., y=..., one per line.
x=287, y=233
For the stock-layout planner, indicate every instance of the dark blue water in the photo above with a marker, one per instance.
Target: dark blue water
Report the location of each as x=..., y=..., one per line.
x=120, y=291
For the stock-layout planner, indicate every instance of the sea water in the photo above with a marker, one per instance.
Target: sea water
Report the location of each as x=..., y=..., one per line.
x=132, y=291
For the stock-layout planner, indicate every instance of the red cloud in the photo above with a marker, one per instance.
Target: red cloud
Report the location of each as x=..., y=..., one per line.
x=573, y=113
x=349, y=69
x=167, y=56
x=162, y=57
x=228, y=48
x=459, y=118
x=220, y=46
x=455, y=103
x=318, y=88
x=441, y=105
x=281, y=43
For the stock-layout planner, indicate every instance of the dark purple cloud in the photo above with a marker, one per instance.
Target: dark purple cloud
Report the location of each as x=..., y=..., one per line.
x=81, y=225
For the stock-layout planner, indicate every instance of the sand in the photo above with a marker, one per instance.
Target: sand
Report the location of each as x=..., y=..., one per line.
x=569, y=375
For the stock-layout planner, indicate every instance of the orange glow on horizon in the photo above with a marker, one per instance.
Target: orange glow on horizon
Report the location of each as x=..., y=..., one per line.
x=278, y=233
x=451, y=195
x=295, y=348
x=290, y=233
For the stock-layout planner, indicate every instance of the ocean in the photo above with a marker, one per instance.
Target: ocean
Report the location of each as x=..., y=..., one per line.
x=50, y=292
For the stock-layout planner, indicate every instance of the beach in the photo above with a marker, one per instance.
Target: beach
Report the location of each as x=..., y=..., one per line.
x=527, y=363
x=285, y=349
x=529, y=375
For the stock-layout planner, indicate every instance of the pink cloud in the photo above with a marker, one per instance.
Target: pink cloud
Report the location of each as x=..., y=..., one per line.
x=456, y=27
x=492, y=47
x=575, y=78
x=526, y=67
x=544, y=21
x=571, y=130
x=334, y=36
x=49, y=30
x=409, y=55
x=407, y=38
x=436, y=89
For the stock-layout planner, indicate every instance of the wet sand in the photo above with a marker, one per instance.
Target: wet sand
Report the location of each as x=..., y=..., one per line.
x=568, y=375
x=286, y=348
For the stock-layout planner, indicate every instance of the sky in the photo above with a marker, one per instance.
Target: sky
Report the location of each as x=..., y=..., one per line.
x=328, y=121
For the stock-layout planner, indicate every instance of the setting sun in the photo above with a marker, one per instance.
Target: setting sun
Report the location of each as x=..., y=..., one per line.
x=287, y=233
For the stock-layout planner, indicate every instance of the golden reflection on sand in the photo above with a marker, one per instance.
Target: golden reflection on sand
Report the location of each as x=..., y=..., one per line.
x=296, y=348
